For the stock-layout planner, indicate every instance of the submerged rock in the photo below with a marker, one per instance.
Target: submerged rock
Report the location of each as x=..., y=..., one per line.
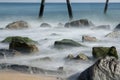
x=117, y=27
x=70, y=56
x=80, y=56
x=22, y=46
x=45, y=25
x=18, y=25
x=89, y=39
x=19, y=38
x=114, y=34
x=98, y=52
x=67, y=42
x=107, y=68
x=106, y=27
x=8, y=53
x=79, y=23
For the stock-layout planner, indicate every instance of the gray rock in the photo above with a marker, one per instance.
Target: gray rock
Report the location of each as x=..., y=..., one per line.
x=18, y=25
x=89, y=39
x=45, y=25
x=107, y=68
x=114, y=34
x=106, y=27
x=79, y=23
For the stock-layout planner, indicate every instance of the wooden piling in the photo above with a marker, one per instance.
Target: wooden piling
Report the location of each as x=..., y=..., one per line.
x=41, y=8
x=69, y=9
x=106, y=6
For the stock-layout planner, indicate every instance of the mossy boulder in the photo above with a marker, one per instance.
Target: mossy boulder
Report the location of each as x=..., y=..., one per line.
x=18, y=25
x=19, y=38
x=67, y=42
x=98, y=52
x=23, y=45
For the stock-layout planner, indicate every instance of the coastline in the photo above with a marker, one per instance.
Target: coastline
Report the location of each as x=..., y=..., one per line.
x=13, y=75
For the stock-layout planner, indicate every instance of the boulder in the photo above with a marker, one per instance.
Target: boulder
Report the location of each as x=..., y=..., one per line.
x=18, y=25
x=107, y=68
x=8, y=53
x=81, y=56
x=45, y=25
x=98, y=52
x=117, y=27
x=114, y=34
x=89, y=39
x=22, y=46
x=79, y=23
x=24, y=39
x=67, y=42
x=106, y=27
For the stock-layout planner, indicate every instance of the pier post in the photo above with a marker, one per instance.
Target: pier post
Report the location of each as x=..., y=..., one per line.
x=106, y=6
x=41, y=9
x=69, y=9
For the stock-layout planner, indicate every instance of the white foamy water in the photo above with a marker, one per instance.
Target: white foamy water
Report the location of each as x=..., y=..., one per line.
x=46, y=38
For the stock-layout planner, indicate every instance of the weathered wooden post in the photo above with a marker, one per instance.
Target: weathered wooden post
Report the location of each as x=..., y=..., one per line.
x=41, y=8
x=69, y=9
x=106, y=6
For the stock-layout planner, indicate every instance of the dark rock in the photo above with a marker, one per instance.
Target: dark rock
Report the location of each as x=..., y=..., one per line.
x=107, y=68
x=117, y=27
x=107, y=27
x=18, y=25
x=98, y=52
x=79, y=23
x=19, y=38
x=67, y=42
x=89, y=39
x=45, y=25
x=114, y=34
x=29, y=69
x=8, y=53
x=61, y=68
x=22, y=46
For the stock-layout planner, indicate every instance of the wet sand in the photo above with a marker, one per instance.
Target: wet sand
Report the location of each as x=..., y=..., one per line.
x=13, y=75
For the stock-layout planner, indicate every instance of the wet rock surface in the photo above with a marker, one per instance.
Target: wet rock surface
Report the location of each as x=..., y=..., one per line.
x=18, y=25
x=107, y=68
x=87, y=38
x=67, y=42
x=79, y=23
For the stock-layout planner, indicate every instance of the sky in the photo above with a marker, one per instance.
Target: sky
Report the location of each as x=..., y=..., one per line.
x=58, y=0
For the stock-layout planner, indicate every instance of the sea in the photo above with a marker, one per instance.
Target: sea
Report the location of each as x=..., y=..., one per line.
x=54, y=14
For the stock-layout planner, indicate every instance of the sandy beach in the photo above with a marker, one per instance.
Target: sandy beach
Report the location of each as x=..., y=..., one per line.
x=12, y=75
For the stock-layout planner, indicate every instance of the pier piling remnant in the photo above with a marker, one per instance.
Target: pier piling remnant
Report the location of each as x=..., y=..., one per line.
x=69, y=9
x=42, y=8
x=106, y=6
